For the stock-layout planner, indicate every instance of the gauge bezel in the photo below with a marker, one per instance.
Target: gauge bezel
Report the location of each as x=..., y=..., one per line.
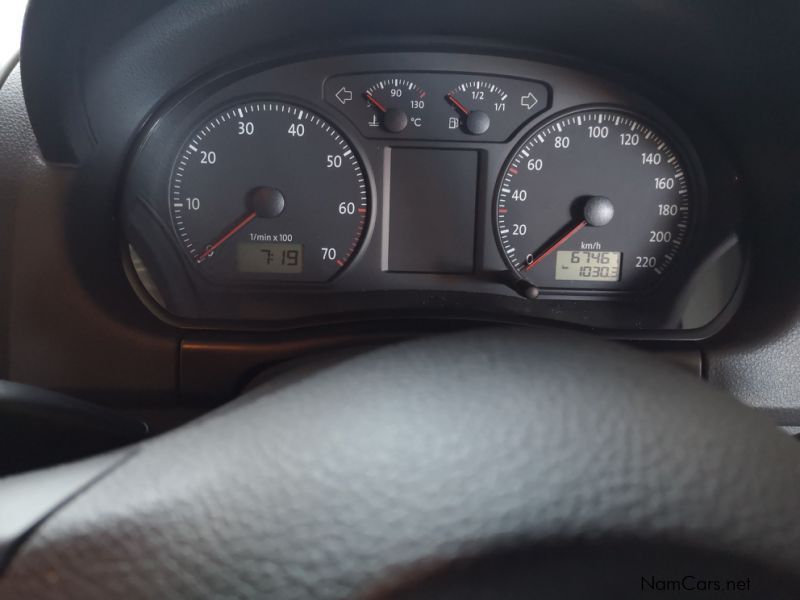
x=244, y=281
x=697, y=193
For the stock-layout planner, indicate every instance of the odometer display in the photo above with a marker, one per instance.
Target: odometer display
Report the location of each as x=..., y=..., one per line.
x=585, y=265
x=592, y=186
x=269, y=191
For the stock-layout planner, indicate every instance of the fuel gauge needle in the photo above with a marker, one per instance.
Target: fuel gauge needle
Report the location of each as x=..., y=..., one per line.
x=557, y=244
x=226, y=237
x=458, y=105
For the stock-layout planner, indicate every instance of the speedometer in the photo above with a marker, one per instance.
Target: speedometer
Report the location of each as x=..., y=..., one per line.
x=597, y=200
x=268, y=191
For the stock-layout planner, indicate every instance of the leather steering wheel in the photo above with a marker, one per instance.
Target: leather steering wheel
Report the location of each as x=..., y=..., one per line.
x=493, y=463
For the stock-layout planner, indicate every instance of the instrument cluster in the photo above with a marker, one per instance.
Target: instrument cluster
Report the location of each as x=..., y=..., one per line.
x=376, y=186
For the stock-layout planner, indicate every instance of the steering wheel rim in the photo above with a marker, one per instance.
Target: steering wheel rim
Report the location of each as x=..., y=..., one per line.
x=465, y=462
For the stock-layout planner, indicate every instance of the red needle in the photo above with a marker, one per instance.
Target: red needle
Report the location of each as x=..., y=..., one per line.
x=377, y=104
x=458, y=104
x=556, y=245
x=225, y=237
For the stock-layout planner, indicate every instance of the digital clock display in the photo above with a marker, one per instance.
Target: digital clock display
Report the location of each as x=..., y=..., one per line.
x=585, y=265
x=270, y=258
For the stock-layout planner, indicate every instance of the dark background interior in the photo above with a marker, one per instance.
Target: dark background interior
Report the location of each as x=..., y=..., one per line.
x=95, y=70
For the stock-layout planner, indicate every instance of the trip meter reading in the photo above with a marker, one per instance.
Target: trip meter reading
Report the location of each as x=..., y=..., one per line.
x=595, y=200
x=268, y=190
x=585, y=265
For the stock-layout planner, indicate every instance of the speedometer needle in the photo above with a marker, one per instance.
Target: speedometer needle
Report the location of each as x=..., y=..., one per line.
x=557, y=244
x=597, y=212
x=226, y=237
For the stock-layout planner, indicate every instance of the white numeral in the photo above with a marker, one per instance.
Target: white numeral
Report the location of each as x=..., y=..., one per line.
x=645, y=262
x=535, y=164
x=629, y=139
x=347, y=208
x=598, y=131
x=660, y=237
x=664, y=183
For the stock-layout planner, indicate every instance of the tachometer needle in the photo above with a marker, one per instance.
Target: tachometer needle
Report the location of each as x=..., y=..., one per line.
x=458, y=105
x=375, y=103
x=226, y=237
x=557, y=244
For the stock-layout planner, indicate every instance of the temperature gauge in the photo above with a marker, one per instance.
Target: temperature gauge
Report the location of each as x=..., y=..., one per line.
x=396, y=104
x=476, y=103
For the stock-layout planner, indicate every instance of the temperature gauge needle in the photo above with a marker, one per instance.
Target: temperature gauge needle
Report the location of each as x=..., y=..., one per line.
x=562, y=239
x=226, y=237
x=375, y=103
x=458, y=105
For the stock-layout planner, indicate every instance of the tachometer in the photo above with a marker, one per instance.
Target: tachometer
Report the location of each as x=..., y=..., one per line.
x=595, y=199
x=268, y=190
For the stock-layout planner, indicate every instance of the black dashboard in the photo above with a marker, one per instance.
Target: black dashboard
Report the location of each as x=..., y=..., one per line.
x=104, y=297
x=431, y=184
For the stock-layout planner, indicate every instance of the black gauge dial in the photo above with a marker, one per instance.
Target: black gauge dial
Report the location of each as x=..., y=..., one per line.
x=398, y=104
x=477, y=103
x=268, y=190
x=596, y=199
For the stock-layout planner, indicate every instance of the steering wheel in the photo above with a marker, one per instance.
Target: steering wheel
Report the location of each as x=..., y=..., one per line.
x=492, y=463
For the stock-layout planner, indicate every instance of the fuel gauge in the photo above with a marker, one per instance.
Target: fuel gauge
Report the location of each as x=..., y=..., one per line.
x=476, y=104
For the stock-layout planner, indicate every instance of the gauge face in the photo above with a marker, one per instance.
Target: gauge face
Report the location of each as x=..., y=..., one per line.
x=593, y=200
x=476, y=104
x=398, y=104
x=269, y=191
